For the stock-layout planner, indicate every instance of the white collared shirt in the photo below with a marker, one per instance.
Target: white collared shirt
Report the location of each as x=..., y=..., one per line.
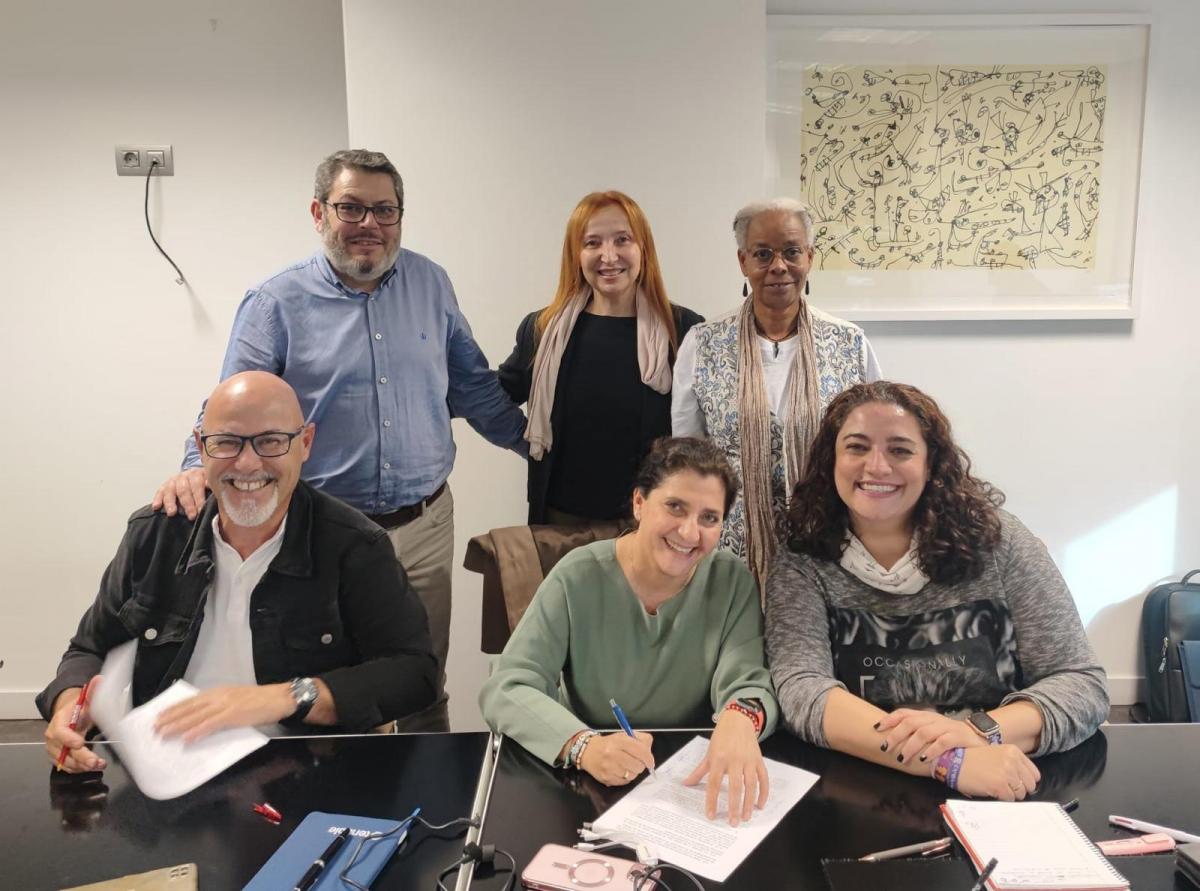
x=224, y=653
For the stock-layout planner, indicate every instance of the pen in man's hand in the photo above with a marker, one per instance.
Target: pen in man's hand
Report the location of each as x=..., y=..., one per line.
x=73, y=724
x=314, y=872
x=908, y=850
x=981, y=882
x=619, y=714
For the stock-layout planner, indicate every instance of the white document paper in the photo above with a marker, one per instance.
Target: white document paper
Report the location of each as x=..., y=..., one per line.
x=670, y=816
x=162, y=768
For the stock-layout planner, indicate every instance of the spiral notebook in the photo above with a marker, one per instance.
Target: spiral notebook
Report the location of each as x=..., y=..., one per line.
x=1037, y=846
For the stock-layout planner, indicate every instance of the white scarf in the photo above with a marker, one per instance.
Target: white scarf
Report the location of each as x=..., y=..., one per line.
x=654, y=362
x=905, y=577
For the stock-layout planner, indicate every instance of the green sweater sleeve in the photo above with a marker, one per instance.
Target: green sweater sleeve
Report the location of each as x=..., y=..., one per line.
x=741, y=671
x=520, y=699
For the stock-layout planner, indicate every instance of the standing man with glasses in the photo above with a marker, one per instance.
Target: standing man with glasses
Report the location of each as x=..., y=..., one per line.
x=278, y=602
x=371, y=337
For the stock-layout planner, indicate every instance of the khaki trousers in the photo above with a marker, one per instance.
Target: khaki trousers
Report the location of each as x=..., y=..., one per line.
x=425, y=548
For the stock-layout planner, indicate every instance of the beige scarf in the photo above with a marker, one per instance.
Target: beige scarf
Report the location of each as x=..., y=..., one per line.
x=801, y=414
x=654, y=361
x=906, y=577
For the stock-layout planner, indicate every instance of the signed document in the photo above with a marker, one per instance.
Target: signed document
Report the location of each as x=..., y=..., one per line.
x=162, y=768
x=670, y=816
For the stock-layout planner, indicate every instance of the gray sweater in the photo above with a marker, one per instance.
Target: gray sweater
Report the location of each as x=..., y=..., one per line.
x=1013, y=633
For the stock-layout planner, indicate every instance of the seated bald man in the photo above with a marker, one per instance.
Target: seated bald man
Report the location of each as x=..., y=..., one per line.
x=279, y=602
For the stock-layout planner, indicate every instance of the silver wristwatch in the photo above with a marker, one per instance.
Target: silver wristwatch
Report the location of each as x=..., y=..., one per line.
x=304, y=694
x=985, y=725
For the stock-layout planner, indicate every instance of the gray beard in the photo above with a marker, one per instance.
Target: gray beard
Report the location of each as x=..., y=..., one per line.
x=248, y=516
x=359, y=268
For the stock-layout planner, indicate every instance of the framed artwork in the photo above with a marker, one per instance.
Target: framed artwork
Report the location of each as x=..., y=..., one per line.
x=962, y=167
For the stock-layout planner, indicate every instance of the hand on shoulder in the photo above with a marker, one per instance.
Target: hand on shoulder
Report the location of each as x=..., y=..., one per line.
x=186, y=489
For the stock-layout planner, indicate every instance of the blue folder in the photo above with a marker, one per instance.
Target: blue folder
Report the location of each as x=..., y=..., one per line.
x=310, y=839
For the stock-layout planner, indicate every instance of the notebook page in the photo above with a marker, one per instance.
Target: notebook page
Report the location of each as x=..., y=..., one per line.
x=1036, y=845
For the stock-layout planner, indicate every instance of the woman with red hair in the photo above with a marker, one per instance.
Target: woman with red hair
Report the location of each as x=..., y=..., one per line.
x=595, y=365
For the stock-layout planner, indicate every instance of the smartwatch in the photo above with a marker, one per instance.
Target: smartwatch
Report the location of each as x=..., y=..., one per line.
x=304, y=693
x=985, y=725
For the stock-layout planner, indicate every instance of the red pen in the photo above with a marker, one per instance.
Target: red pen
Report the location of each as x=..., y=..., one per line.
x=267, y=811
x=73, y=724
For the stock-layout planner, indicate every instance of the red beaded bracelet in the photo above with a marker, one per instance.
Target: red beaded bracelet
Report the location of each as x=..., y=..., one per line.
x=755, y=715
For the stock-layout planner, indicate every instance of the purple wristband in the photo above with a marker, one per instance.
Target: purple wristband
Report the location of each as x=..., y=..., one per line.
x=948, y=767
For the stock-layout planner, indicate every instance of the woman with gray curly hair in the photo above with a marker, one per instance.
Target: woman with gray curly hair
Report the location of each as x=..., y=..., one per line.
x=756, y=379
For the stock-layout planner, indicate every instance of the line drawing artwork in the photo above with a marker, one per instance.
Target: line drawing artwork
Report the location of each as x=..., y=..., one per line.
x=939, y=166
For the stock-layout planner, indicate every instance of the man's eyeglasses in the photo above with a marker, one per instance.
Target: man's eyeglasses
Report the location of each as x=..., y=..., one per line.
x=350, y=212
x=764, y=256
x=271, y=444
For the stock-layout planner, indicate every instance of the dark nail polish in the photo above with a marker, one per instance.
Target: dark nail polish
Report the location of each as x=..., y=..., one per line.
x=877, y=723
x=900, y=757
x=883, y=748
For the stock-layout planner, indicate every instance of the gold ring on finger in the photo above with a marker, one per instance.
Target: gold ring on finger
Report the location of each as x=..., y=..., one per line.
x=625, y=776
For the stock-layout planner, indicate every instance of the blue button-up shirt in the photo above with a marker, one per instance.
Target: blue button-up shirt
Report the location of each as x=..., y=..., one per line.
x=380, y=374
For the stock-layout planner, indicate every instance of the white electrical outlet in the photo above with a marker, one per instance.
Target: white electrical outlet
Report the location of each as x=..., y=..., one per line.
x=136, y=160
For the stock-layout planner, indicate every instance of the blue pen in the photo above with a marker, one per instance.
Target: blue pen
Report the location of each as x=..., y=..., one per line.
x=624, y=722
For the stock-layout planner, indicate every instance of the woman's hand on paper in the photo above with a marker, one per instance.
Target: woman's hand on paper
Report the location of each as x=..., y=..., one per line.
x=733, y=752
x=1002, y=772
x=917, y=735
x=59, y=735
x=223, y=707
x=615, y=759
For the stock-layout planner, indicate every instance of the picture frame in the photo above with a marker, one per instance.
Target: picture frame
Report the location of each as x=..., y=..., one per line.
x=962, y=166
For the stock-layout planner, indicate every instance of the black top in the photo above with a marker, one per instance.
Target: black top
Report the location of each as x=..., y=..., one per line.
x=600, y=422
x=604, y=418
x=333, y=604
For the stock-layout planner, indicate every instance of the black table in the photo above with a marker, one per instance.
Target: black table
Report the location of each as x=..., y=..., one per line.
x=57, y=831
x=1150, y=772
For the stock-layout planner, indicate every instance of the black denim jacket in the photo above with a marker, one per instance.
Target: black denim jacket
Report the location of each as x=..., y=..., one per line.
x=333, y=604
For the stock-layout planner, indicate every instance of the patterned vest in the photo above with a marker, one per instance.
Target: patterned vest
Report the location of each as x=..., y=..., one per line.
x=841, y=362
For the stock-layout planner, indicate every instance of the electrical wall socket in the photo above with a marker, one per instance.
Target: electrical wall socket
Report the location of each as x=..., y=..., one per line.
x=135, y=160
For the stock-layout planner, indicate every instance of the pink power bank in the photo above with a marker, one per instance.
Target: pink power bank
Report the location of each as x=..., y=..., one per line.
x=1143, y=844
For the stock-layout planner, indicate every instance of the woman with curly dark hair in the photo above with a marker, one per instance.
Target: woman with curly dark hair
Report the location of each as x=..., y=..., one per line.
x=914, y=623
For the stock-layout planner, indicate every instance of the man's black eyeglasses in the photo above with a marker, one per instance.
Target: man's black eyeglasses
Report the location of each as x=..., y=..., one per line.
x=271, y=444
x=350, y=212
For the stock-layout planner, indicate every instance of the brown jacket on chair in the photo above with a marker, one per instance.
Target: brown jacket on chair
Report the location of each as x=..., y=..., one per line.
x=514, y=560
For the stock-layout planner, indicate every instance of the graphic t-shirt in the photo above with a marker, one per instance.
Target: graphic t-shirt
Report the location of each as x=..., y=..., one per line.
x=951, y=658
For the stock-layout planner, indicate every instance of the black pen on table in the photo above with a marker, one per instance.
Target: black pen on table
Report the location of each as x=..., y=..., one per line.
x=318, y=866
x=981, y=882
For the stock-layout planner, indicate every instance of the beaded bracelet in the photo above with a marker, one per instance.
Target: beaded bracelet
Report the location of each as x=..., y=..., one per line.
x=577, y=746
x=756, y=716
x=948, y=767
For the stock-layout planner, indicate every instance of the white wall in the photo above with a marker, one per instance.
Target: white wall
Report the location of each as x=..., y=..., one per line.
x=103, y=358
x=501, y=116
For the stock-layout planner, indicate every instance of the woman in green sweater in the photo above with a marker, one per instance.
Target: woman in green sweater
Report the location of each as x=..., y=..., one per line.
x=657, y=621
